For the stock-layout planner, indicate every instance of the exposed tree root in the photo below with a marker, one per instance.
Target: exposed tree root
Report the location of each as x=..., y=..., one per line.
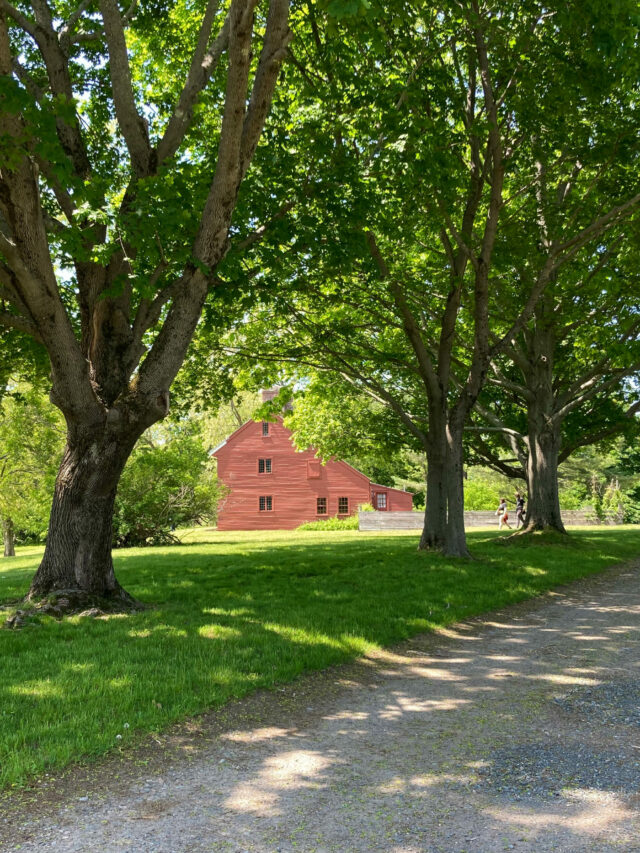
x=72, y=602
x=537, y=536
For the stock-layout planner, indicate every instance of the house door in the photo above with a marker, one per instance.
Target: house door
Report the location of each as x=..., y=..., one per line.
x=380, y=501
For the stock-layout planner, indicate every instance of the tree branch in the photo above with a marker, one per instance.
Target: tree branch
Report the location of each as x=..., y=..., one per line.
x=501, y=382
x=65, y=33
x=20, y=323
x=596, y=227
x=163, y=361
x=592, y=387
x=21, y=20
x=203, y=65
x=57, y=66
x=495, y=462
x=259, y=232
x=412, y=329
x=132, y=125
x=594, y=437
x=211, y=242
x=277, y=37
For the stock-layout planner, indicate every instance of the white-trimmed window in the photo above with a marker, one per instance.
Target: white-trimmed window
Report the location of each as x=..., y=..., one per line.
x=381, y=500
x=265, y=427
x=321, y=506
x=343, y=506
x=265, y=503
x=264, y=466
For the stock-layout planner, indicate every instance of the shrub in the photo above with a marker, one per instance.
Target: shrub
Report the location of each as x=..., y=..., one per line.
x=164, y=486
x=350, y=523
x=479, y=495
x=574, y=496
x=612, y=511
x=631, y=508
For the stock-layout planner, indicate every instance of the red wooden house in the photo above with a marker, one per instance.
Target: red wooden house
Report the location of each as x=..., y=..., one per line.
x=272, y=486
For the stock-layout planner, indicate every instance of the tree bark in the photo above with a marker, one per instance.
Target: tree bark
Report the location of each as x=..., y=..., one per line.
x=543, y=509
x=77, y=556
x=444, y=511
x=109, y=382
x=435, y=511
x=8, y=536
x=455, y=541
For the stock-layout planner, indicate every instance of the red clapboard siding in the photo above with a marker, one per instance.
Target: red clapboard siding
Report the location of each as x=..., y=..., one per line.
x=295, y=483
x=395, y=500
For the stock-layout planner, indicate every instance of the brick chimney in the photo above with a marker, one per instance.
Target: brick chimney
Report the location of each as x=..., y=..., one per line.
x=267, y=394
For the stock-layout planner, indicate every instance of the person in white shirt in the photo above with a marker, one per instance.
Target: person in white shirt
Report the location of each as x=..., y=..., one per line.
x=503, y=514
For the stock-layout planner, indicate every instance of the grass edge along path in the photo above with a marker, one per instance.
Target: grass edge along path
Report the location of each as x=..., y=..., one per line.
x=240, y=612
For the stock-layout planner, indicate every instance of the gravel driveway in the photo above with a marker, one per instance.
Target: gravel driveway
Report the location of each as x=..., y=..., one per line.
x=519, y=731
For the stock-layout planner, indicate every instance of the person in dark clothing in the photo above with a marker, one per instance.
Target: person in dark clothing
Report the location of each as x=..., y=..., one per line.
x=519, y=510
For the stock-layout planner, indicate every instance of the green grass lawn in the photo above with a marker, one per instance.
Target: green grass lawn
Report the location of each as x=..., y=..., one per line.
x=237, y=611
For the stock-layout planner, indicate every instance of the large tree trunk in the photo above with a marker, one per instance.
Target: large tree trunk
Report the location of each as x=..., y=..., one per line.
x=543, y=509
x=77, y=557
x=456, y=540
x=444, y=512
x=104, y=378
x=8, y=537
x=435, y=511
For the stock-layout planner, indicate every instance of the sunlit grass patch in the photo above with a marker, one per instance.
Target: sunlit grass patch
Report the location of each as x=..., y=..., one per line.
x=218, y=632
x=236, y=611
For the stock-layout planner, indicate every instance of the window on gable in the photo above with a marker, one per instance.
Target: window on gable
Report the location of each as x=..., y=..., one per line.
x=265, y=427
x=266, y=503
x=264, y=466
x=321, y=506
x=343, y=506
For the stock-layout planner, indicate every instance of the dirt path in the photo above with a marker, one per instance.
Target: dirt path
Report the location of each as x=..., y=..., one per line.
x=520, y=731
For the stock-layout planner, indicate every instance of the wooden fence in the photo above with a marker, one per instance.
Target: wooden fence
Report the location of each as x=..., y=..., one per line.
x=472, y=518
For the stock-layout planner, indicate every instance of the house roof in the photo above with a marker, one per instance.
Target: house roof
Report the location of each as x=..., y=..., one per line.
x=231, y=437
x=240, y=429
x=390, y=488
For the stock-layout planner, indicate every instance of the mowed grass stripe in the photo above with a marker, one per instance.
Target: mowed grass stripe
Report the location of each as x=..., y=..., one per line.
x=241, y=611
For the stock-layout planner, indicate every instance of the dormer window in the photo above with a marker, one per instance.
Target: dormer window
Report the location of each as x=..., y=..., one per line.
x=265, y=427
x=264, y=466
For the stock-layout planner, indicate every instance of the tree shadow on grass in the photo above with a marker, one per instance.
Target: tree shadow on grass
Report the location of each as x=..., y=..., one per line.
x=227, y=620
x=447, y=743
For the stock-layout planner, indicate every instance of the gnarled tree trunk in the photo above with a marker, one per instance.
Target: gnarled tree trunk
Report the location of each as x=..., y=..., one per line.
x=8, y=537
x=112, y=380
x=77, y=557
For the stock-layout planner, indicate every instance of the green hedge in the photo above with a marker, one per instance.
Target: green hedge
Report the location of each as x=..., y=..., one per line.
x=350, y=523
